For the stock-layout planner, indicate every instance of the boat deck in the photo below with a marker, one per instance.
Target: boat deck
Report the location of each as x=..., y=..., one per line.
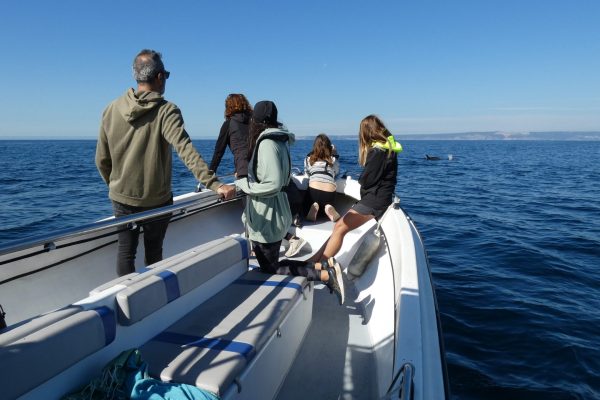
x=331, y=363
x=336, y=358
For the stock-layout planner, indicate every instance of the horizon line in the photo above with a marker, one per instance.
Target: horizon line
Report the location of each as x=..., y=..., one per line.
x=480, y=132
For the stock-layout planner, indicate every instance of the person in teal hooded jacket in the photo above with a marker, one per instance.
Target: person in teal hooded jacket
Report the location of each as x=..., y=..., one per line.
x=267, y=214
x=377, y=153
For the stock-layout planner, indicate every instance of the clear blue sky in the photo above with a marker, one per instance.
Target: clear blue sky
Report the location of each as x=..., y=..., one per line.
x=424, y=67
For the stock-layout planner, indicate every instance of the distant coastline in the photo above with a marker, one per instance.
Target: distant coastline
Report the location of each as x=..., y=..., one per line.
x=496, y=135
x=492, y=135
x=558, y=135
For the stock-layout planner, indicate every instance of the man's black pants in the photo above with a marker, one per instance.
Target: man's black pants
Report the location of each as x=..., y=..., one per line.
x=154, y=235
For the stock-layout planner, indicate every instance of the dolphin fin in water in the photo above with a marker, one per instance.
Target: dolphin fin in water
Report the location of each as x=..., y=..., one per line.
x=436, y=158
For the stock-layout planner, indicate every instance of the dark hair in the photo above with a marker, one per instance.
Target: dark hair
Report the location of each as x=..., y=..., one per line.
x=146, y=65
x=322, y=150
x=256, y=128
x=236, y=103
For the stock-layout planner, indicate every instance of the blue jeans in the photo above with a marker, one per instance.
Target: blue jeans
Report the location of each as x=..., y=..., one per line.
x=154, y=235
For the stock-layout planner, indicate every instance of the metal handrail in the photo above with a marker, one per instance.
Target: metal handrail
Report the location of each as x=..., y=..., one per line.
x=406, y=388
x=48, y=240
x=2, y=318
x=403, y=383
x=296, y=171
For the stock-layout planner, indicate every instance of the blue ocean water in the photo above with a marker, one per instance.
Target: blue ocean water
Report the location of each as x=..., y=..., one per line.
x=512, y=230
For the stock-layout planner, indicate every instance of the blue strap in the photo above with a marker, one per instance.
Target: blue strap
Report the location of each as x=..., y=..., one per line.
x=245, y=349
x=171, y=284
x=244, y=244
x=284, y=284
x=109, y=322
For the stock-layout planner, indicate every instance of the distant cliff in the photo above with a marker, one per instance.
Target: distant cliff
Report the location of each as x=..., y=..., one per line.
x=504, y=136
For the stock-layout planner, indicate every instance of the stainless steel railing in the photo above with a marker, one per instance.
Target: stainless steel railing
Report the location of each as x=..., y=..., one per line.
x=402, y=386
x=48, y=241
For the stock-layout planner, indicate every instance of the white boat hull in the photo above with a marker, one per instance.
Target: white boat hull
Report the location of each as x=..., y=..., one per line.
x=387, y=329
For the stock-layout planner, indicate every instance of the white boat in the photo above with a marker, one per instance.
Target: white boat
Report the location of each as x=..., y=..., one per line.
x=204, y=316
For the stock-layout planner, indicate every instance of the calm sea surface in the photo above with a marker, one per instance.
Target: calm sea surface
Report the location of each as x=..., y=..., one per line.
x=512, y=230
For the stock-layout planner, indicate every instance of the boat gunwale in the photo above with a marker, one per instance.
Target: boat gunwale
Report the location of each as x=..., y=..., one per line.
x=442, y=348
x=181, y=207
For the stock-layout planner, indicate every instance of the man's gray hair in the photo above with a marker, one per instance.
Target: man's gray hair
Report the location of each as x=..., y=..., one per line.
x=146, y=65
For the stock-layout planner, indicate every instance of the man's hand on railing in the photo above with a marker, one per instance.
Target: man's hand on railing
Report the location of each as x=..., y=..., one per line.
x=226, y=191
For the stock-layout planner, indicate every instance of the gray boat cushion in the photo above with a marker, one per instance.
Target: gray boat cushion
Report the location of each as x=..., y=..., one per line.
x=141, y=299
x=177, y=276
x=194, y=272
x=212, y=344
x=50, y=350
x=27, y=327
x=124, y=280
x=153, y=269
x=168, y=263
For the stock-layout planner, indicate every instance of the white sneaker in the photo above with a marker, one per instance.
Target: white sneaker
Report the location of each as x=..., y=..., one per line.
x=295, y=245
x=331, y=212
x=312, y=213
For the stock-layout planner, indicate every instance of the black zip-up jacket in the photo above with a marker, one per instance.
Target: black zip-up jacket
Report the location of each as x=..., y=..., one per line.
x=378, y=179
x=234, y=132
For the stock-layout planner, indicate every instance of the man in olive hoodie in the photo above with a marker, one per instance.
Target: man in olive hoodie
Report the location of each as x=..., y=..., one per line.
x=133, y=156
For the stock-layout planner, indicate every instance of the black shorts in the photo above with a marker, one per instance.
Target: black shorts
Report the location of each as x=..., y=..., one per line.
x=322, y=198
x=366, y=210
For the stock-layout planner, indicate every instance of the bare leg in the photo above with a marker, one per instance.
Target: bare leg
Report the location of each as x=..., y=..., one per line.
x=317, y=256
x=350, y=221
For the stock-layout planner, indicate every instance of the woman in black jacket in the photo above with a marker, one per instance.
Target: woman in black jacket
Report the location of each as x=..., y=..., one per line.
x=234, y=133
x=377, y=153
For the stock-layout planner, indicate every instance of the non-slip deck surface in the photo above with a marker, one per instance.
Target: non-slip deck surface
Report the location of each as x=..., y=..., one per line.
x=327, y=366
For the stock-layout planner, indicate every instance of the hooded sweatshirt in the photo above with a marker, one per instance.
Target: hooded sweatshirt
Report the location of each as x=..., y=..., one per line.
x=134, y=155
x=267, y=213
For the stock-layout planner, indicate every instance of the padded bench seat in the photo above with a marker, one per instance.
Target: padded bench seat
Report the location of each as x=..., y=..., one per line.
x=214, y=343
x=63, y=350
x=176, y=276
x=36, y=351
x=198, y=253
x=25, y=328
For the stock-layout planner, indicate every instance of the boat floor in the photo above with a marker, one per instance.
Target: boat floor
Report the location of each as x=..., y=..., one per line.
x=335, y=360
x=330, y=363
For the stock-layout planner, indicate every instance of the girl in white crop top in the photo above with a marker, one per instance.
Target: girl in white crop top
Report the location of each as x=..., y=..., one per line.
x=322, y=165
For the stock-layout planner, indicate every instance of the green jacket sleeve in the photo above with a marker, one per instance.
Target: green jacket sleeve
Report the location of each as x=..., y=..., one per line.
x=269, y=172
x=174, y=132
x=103, y=159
